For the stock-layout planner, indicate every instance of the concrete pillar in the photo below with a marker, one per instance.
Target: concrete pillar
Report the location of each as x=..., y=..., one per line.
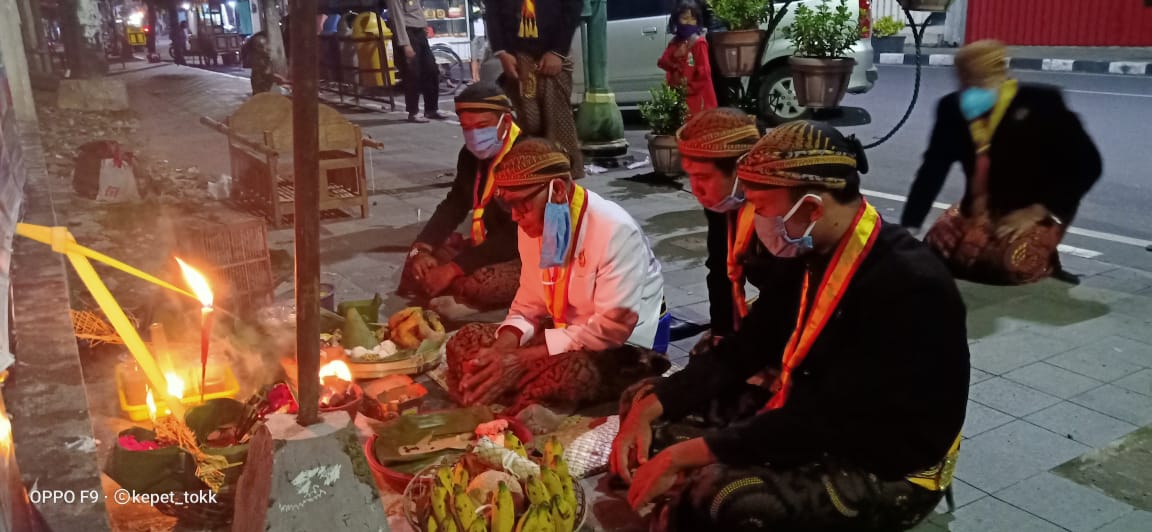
x=15, y=62
x=80, y=31
x=599, y=124
x=955, y=24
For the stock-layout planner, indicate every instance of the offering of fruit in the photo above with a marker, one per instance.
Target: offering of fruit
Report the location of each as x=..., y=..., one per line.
x=413, y=325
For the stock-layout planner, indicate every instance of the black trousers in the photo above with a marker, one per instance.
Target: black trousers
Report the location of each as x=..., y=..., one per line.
x=420, y=75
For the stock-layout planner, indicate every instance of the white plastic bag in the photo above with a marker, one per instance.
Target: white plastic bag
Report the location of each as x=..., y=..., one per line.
x=117, y=181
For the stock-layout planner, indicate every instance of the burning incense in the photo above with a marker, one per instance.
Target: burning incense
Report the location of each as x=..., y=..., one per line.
x=199, y=285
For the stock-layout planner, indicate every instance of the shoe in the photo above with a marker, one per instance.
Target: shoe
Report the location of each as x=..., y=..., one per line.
x=681, y=329
x=417, y=119
x=436, y=116
x=1062, y=275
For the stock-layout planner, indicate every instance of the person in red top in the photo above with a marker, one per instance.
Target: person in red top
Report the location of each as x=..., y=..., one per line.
x=686, y=59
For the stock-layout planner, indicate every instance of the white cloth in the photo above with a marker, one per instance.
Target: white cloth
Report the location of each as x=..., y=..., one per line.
x=613, y=267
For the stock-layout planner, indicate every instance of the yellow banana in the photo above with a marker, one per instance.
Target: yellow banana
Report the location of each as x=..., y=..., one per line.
x=552, y=448
x=504, y=510
x=569, y=495
x=551, y=482
x=440, y=503
x=465, y=507
x=433, y=320
x=513, y=443
x=563, y=515
x=444, y=478
x=460, y=475
x=560, y=466
x=544, y=520
x=449, y=525
x=432, y=525
x=478, y=525
x=537, y=493
x=525, y=524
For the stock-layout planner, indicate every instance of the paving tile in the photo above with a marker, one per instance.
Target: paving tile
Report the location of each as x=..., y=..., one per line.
x=1139, y=382
x=1083, y=333
x=1003, y=353
x=1121, y=280
x=1137, y=306
x=975, y=376
x=928, y=526
x=989, y=514
x=1082, y=424
x=1010, y=397
x=1130, y=348
x=1065, y=503
x=1013, y=452
x=1052, y=380
x=1106, y=360
x=979, y=419
x=1133, y=522
x=965, y=494
x=1119, y=403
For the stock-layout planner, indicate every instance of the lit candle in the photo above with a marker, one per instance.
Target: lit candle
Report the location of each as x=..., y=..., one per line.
x=151, y=407
x=203, y=291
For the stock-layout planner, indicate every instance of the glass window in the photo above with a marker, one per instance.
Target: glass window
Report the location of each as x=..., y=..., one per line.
x=629, y=9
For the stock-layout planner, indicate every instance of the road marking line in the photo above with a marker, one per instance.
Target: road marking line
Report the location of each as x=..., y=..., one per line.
x=1079, y=252
x=1105, y=93
x=1099, y=235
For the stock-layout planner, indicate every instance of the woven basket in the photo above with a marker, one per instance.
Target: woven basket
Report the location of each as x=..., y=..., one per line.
x=235, y=255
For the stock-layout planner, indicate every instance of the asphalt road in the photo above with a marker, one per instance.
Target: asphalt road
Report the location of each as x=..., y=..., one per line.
x=1115, y=219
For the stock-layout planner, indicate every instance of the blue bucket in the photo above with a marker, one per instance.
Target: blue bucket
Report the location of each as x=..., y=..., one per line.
x=663, y=334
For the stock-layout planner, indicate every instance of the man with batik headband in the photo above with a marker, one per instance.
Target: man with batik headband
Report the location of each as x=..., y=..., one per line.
x=710, y=143
x=582, y=325
x=481, y=272
x=532, y=39
x=866, y=329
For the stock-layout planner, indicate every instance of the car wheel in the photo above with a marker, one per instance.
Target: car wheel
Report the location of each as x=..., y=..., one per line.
x=777, y=98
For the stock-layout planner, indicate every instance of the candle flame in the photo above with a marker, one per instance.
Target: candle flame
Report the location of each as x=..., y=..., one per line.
x=197, y=282
x=151, y=405
x=175, y=385
x=336, y=368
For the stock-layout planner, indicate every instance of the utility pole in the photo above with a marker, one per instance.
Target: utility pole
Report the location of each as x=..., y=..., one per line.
x=599, y=124
x=80, y=31
x=306, y=167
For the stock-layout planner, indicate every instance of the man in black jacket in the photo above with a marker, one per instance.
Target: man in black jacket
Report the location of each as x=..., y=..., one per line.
x=484, y=272
x=532, y=39
x=866, y=329
x=1032, y=166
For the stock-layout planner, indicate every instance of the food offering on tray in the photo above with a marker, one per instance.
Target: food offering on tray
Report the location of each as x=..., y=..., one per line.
x=498, y=486
x=409, y=343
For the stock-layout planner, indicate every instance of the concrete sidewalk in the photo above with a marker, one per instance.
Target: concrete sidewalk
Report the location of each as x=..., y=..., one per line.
x=1061, y=374
x=1131, y=61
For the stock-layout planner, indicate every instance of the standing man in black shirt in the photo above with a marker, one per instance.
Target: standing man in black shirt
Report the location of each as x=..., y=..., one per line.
x=532, y=39
x=418, y=69
x=866, y=330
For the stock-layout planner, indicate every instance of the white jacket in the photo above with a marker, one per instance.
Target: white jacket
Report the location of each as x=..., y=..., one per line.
x=613, y=267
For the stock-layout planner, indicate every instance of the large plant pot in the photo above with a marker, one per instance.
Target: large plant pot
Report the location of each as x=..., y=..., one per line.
x=893, y=44
x=938, y=6
x=665, y=155
x=821, y=83
x=736, y=52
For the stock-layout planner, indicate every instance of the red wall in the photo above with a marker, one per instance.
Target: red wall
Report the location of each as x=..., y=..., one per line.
x=1061, y=22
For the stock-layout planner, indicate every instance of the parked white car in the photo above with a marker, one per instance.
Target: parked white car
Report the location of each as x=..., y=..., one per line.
x=637, y=37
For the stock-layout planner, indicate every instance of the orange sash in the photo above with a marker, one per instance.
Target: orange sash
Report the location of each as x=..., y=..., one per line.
x=741, y=229
x=849, y=255
x=480, y=200
x=556, y=280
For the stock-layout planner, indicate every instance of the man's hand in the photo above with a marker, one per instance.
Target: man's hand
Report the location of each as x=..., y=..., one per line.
x=550, y=65
x=510, y=64
x=421, y=264
x=1019, y=221
x=490, y=374
x=634, y=439
x=656, y=477
x=438, y=279
x=409, y=52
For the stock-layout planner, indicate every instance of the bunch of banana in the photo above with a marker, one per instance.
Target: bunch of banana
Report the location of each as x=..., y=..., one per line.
x=452, y=508
x=503, y=517
x=538, y=518
x=413, y=325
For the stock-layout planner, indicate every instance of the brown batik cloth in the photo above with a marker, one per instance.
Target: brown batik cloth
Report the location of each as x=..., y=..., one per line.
x=564, y=381
x=487, y=288
x=823, y=495
x=544, y=107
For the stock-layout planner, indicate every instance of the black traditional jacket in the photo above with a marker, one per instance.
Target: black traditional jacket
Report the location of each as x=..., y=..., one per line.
x=556, y=21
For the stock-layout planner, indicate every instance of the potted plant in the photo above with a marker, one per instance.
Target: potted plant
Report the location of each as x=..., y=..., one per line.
x=738, y=46
x=822, y=38
x=937, y=6
x=665, y=112
x=884, y=36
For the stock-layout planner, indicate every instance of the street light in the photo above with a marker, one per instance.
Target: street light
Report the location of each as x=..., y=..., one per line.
x=599, y=124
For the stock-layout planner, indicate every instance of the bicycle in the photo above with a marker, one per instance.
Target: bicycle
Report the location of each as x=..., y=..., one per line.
x=454, y=73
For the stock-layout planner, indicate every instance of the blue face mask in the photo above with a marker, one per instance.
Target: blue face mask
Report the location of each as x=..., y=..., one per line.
x=733, y=201
x=773, y=233
x=977, y=101
x=557, y=234
x=684, y=31
x=484, y=142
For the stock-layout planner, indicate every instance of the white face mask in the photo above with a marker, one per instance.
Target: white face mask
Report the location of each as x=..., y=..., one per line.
x=773, y=232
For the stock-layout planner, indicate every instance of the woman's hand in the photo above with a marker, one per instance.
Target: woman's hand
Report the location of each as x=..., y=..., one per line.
x=656, y=477
x=491, y=373
x=510, y=65
x=1016, y=223
x=634, y=439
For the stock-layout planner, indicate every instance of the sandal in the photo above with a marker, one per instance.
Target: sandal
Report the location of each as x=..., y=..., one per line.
x=417, y=119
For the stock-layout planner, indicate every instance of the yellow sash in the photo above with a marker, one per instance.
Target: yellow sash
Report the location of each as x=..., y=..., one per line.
x=480, y=200
x=556, y=280
x=740, y=232
x=982, y=130
x=849, y=255
x=938, y=477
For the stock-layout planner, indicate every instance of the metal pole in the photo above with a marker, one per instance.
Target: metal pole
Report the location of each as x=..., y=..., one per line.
x=306, y=168
x=599, y=124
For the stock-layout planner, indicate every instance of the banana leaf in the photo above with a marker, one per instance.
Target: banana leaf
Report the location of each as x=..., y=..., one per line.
x=356, y=332
x=369, y=309
x=410, y=430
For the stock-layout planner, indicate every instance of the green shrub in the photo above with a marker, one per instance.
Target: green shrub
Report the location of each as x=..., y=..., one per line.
x=666, y=111
x=824, y=32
